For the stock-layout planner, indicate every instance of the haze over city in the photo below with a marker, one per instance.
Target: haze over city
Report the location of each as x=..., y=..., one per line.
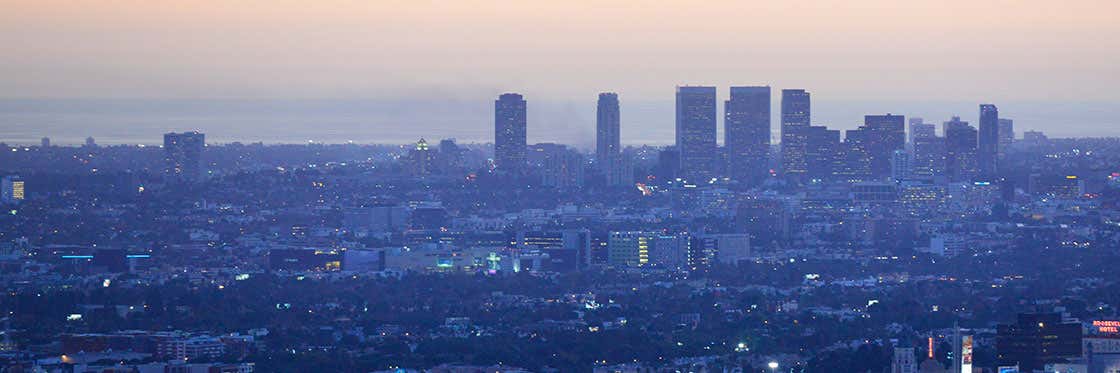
x=540, y=186
x=422, y=68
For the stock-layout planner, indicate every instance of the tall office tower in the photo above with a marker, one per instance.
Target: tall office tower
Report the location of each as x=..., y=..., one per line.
x=960, y=150
x=988, y=149
x=12, y=190
x=902, y=165
x=421, y=159
x=45, y=142
x=183, y=153
x=795, y=122
x=747, y=133
x=919, y=129
x=822, y=147
x=929, y=157
x=696, y=132
x=510, y=139
x=855, y=162
x=883, y=134
x=1006, y=136
x=607, y=128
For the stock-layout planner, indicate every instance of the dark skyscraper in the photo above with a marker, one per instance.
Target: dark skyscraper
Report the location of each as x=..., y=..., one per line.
x=919, y=130
x=960, y=150
x=929, y=157
x=821, y=152
x=795, y=122
x=183, y=153
x=883, y=135
x=1006, y=136
x=696, y=132
x=988, y=149
x=747, y=132
x=509, y=132
x=607, y=129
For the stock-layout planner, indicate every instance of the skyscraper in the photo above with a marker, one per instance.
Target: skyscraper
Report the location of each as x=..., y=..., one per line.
x=696, y=132
x=795, y=122
x=988, y=145
x=1006, y=136
x=822, y=149
x=920, y=130
x=183, y=153
x=929, y=157
x=884, y=135
x=747, y=132
x=421, y=158
x=510, y=139
x=607, y=128
x=608, y=147
x=960, y=150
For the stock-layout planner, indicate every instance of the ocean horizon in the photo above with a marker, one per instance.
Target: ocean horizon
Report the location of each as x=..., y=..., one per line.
x=273, y=121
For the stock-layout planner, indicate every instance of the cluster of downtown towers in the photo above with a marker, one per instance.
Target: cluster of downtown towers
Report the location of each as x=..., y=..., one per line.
x=874, y=151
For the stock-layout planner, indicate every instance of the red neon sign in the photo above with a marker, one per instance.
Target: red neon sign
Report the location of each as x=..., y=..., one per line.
x=1107, y=326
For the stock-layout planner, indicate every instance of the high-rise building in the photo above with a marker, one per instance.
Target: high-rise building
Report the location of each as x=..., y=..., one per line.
x=422, y=160
x=919, y=129
x=902, y=165
x=510, y=141
x=12, y=190
x=883, y=135
x=929, y=157
x=617, y=167
x=855, y=161
x=45, y=142
x=795, y=122
x=1006, y=136
x=822, y=149
x=987, y=151
x=607, y=128
x=960, y=150
x=696, y=132
x=183, y=153
x=747, y=133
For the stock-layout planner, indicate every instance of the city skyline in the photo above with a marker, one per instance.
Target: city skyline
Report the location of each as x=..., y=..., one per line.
x=559, y=186
x=586, y=141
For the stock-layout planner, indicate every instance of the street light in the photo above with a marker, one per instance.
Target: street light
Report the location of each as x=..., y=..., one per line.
x=773, y=366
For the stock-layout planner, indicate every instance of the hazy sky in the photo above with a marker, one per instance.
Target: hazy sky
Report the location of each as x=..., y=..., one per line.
x=982, y=50
x=414, y=68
